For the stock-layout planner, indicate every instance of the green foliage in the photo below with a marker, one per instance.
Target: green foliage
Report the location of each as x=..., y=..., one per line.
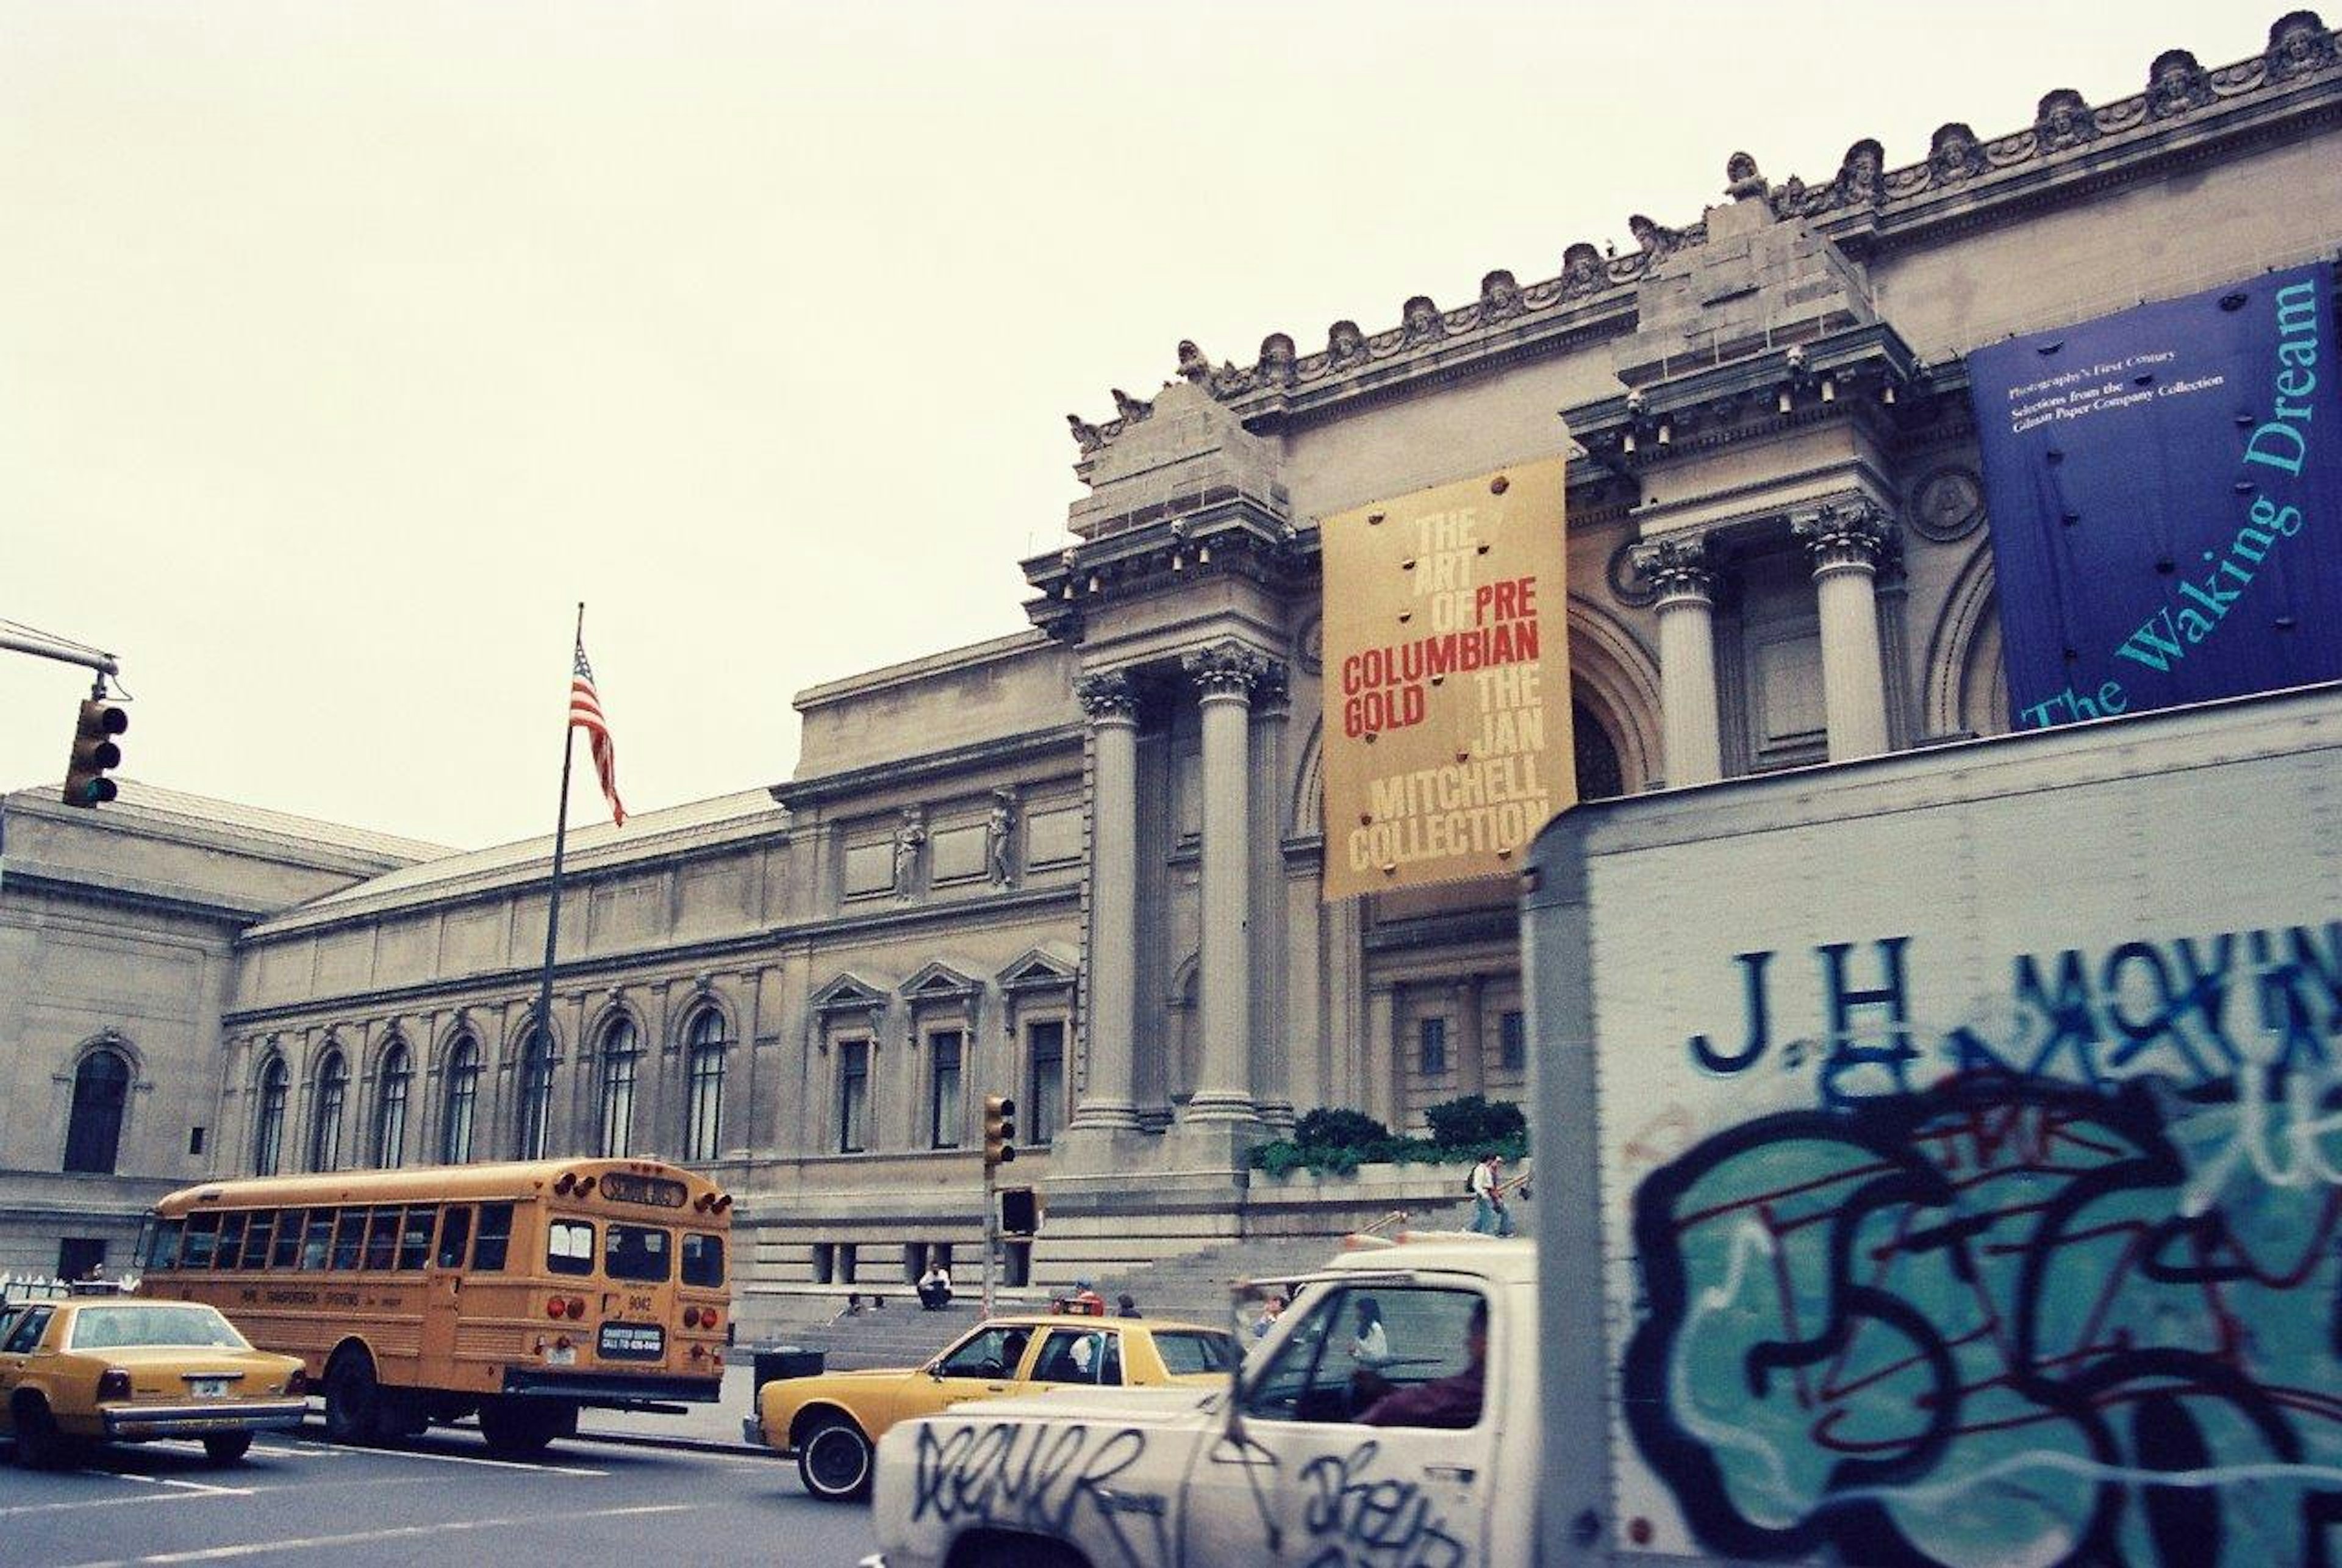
x=1337, y=1141
x=1338, y=1129
x=1472, y=1123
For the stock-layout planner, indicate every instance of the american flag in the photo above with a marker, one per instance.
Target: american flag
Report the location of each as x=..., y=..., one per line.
x=585, y=713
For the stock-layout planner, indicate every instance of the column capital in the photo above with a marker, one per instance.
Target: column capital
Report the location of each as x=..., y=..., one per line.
x=1106, y=696
x=1850, y=535
x=1681, y=566
x=1230, y=669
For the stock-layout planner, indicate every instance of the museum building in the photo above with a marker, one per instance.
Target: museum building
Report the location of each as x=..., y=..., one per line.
x=1082, y=865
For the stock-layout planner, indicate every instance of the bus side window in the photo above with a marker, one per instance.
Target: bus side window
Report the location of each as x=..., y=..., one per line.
x=203, y=1239
x=495, y=1237
x=287, y=1251
x=163, y=1246
x=256, y=1239
x=319, y=1241
x=381, y=1239
x=454, y=1235
x=570, y=1246
x=702, y=1259
x=349, y=1239
x=414, y=1239
x=231, y=1241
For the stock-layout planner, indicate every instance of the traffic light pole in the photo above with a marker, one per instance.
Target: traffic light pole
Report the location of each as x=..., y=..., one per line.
x=991, y=1238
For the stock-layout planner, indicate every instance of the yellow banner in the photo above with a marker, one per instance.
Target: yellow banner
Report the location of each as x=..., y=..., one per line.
x=1446, y=730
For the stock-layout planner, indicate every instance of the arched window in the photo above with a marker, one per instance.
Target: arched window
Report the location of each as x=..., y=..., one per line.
x=93, y=1133
x=1599, y=774
x=621, y=1055
x=390, y=1108
x=268, y=1119
x=536, y=1095
x=704, y=1129
x=463, y=1093
x=325, y=1126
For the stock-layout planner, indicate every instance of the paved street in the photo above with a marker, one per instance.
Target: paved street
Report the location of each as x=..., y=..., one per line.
x=441, y=1500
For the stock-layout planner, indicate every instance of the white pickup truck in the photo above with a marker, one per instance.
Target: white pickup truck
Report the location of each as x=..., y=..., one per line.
x=1280, y=1469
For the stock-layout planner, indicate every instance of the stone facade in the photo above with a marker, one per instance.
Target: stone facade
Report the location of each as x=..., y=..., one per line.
x=1080, y=865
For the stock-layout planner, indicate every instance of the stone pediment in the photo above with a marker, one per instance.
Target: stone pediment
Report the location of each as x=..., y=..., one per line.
x=1049, y=967
x=943, y=981
x=849, y=992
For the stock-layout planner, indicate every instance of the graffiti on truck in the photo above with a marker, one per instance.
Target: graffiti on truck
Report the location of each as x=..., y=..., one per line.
x=1037, y=1478
x=1356, y=1519
x=2067, y=1289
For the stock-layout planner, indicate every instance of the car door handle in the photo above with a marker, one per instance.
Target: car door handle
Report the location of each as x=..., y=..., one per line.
x=1457, y=1472
x=995, y=1388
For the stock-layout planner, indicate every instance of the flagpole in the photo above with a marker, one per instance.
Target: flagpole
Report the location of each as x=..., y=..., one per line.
x=560, y=844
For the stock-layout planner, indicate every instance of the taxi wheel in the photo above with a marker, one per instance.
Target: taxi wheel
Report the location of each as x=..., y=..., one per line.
x=834, y=1459
x=353, y=1399
x=40, y=1446
x=227, y=1447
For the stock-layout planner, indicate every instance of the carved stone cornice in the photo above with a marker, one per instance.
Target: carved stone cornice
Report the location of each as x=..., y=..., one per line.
x=1850, y=535
x=1681, y=567
x=1107, y=696
x=1229, y=669
x=1864, y=197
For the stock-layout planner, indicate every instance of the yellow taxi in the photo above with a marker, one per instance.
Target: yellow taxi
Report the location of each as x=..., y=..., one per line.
x=128, y=1370
x=830, y=1423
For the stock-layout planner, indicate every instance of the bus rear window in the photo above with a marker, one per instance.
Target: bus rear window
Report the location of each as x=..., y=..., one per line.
x=162, y=1245
x=638, y=1252
x=495, y=1238
x=702, y=1259
x=569, y=1247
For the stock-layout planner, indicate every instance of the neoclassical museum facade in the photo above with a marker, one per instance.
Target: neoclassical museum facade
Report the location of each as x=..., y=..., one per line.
x=1081, y=865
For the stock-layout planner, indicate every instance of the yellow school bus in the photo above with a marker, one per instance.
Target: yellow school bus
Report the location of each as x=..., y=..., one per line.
x=523, y=1292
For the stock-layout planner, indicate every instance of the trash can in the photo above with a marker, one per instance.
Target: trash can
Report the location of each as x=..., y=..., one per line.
x=781, y=1361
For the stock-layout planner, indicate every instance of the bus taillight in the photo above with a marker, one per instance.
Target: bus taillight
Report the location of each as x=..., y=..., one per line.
x=691, y=1317
x=553, y=1309
x=577, y=1308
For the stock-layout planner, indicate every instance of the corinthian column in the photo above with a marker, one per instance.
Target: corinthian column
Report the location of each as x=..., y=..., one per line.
x=1846, y=541
x=1689, y=732
x=1112, y=1015
x=1225, y=675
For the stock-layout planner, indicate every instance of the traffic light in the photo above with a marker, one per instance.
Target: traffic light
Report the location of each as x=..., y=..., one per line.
x=999, y=1130
x=94, y=752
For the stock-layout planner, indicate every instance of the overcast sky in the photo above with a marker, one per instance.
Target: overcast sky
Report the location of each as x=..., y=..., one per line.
x=345, y=347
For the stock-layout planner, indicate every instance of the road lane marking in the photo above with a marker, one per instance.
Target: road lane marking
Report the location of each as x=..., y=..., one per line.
x=399, y=1533
x=460, y=1459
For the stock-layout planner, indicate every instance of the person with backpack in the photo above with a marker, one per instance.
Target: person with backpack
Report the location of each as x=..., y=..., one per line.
x=1490, y=1217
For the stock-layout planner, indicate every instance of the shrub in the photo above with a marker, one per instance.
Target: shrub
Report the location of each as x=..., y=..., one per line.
x=1280, y=1158
x=1472, y=1123
x=1338, y=1129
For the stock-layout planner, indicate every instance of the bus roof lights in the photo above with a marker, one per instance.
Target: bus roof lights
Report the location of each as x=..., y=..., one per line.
x=568, y=1179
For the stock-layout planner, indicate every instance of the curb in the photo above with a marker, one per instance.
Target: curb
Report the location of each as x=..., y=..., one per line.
x=734, y=1450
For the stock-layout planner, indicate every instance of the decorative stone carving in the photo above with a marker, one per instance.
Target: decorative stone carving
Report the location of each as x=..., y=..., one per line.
x=2298, y=44
x=2175, y=84
x=1193, y=367
x=1086, y=437
x=1656, y=241
x=1583, y=271
x=1107, y=694
x=1742, y=182
x=999, y=840
x=1420, y=320
x=1309, y=645
x=1844, y=535
x=2063, y=120
x=1225, y=669
x=910, y=833
x=1859, y=183
x=1346, y=346
x=1954, y=154
x=1276, y=360
x=1678, y=567
x=1132, y=409
x=1500, y=297
x=1947, y=504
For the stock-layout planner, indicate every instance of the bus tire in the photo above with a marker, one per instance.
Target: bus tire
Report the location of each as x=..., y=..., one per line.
x=41, y=1444
x=834, y=1459
x=227, y=1447
x=353, y=1398
x=518, y=1428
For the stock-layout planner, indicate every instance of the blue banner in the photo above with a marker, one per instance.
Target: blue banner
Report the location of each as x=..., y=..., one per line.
x=2165, y=498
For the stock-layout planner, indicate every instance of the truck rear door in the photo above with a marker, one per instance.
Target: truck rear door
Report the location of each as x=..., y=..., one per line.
x=1356, y=1447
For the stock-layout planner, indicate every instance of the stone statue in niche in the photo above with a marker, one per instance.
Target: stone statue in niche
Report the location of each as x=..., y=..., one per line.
x=910, y=833
x=1743, y=183
x=999, y=840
